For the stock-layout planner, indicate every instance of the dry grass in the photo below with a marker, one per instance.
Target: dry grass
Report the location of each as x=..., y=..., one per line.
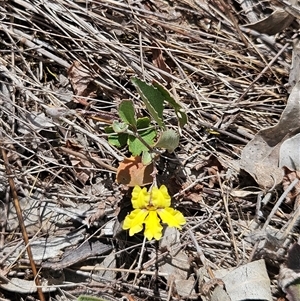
x=231, y=81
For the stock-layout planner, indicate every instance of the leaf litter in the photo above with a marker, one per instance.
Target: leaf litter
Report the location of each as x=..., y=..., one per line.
x=65, y=69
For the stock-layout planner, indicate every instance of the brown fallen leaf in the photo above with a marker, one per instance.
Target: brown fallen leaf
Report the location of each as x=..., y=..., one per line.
x=213, y=167
x=194, y=194
x=279, y=20
x=213, y=171
x=82, y=167
x=159, y=62
x=260, y=157
x=82, y=82
x=132, y=172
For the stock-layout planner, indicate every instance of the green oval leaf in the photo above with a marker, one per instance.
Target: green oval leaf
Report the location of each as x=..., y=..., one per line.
x=118, y=140
x=146, y=132
x=147, y=157
x=126, y=112
x=119, y=127
x=169, y=140
x=179, y=110
x=153, y=99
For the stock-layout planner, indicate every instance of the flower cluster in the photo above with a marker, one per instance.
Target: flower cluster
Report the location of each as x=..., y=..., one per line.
x=151, y=208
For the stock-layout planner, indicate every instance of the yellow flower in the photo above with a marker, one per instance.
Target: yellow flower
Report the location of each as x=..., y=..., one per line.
x=151, y=208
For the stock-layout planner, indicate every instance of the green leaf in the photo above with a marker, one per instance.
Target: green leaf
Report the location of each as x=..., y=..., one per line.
x=169, y=140
x=118, y=140
x=179, y=110
x=126, y=112
x=119, y=127
x=143, y=123
x=147, y=157
x=147, y=133
x=153, y=99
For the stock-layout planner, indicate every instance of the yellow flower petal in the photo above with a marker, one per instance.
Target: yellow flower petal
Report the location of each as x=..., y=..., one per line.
x=160, y=197
x=134, y=221
x=151, y=208
x=140, y=197
x=153, y=226
x=172, y=217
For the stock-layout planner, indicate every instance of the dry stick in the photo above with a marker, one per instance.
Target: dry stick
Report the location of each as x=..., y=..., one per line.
x=288, y=227
x=280, y=200
x=170, y=288
x=263, y=71
x=223, y=132
x=141, y=55
x=90, y=159
x=231, y=120
x=139, y=266
x=198, y=249
x=234, y=22
x=201, y=255
x=21, y=222
x=129, y=271
x=233, y=241
x=3, y=215
x=275, y=208
x=25, y=39
x=94, y=137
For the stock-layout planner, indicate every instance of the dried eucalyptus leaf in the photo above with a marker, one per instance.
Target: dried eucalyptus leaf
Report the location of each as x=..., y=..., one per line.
x=279, y=20
x=290, y=153
x=247, y=282
x=260, y=157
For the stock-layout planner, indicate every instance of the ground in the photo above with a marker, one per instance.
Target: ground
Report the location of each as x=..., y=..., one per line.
x=65, y=68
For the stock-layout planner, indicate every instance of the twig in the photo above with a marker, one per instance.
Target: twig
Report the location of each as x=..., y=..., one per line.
x=84, y=157
x=22, y=225
x=275, y=208
x=199, y=249
x=25, y=39
x=142, y=272
x=93, y=136
x=263, y=71
x=139, y=266
x=279, y=202
x=233, y=239
x=224, y=132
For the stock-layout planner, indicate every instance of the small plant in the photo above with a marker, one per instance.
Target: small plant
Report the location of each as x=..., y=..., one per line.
x=138, y=133
x=143, y=137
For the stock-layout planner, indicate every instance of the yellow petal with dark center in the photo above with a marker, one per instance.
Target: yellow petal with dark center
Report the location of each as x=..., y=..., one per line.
x=140, y=197
x=160, y=198
x=171, y=217
x=134, y=221
x=153, y=227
